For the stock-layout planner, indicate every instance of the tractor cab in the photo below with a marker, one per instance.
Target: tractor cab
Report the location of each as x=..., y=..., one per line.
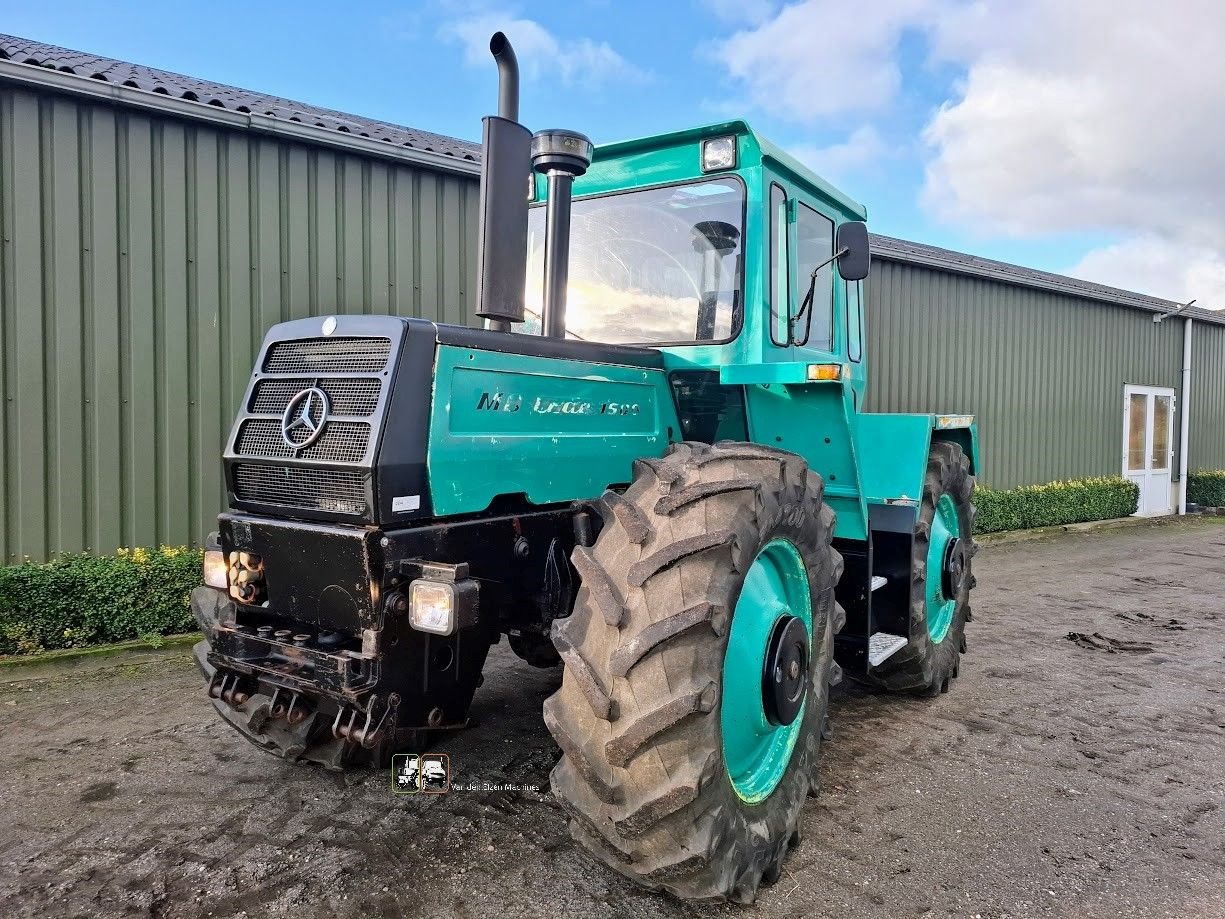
x=743, y=267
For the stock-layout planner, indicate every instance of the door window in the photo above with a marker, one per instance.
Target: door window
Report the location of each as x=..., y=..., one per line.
x=854, y=320
x=1136, y=422
x=1161, y=432
x=814, y=244
x=780, y=286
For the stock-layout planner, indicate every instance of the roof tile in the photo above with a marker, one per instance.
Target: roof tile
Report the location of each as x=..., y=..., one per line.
x=231, y=98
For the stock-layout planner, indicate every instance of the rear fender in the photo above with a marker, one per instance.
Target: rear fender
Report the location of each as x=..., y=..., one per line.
x=893, y=450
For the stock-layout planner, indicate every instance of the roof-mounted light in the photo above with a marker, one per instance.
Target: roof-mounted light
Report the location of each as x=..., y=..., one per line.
x=718, y=153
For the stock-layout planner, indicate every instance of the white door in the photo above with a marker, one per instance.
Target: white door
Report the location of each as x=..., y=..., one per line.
x=1148, y=445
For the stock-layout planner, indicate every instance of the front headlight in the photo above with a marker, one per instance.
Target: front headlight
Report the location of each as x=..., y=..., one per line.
x=215, y=569
x=431, y=607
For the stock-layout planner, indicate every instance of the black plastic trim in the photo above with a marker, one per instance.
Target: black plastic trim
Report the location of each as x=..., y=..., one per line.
x=540, y=346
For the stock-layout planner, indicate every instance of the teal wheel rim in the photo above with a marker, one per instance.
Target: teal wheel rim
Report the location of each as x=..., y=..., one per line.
x=755, y=751
x=945, y=529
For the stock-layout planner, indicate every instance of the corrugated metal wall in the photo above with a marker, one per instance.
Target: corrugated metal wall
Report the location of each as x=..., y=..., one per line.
x=1207, y=439
x=1044, y=372
x=141, y=260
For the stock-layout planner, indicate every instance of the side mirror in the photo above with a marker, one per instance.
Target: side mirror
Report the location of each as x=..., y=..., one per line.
x=854, y=264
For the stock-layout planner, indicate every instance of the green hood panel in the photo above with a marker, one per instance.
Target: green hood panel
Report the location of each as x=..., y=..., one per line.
x=551, y=428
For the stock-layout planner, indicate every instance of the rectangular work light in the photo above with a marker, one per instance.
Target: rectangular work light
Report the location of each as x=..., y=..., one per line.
x=442, y=598
x=718, y=153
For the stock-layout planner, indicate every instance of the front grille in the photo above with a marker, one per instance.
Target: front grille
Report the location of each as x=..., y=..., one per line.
x=333, y=475
x=345, y=397
x=328, y=355
x=341, y=441
x=337, y=491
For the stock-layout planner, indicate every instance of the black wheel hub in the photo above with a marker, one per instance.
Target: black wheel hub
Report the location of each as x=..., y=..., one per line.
x=954, y=570
x=784, y=678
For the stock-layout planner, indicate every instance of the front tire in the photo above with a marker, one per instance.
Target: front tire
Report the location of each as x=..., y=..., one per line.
x=668, y=780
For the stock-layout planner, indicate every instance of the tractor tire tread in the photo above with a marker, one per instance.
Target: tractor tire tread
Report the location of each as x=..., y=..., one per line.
x=648, y=793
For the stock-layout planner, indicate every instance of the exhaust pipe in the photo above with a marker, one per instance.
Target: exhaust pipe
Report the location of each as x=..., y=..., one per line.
x=506, y=166
x=562, y=156
x=508, y=76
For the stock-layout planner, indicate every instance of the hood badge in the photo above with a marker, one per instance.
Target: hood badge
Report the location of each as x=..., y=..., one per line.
x=304, y=418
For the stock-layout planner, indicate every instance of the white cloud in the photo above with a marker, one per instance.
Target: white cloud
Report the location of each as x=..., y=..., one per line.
x=862, y=150
x=1159, y=267
x=1092, y=115
x=824, y=57
x=1071, y=116
x=580, y=61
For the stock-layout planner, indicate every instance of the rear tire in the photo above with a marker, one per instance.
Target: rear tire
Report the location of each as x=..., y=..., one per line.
x=643, y=773
x=933, y=657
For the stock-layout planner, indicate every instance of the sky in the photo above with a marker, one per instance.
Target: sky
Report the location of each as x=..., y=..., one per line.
x=1077, y=136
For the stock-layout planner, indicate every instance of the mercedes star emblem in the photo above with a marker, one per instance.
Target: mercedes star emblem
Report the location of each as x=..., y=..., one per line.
x=304, y=418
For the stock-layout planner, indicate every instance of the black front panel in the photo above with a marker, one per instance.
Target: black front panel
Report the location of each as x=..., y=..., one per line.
x=314, y=574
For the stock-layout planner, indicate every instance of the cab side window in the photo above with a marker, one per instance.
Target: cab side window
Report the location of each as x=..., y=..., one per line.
x=814, y=233
x=854, y=320
x=780, y=287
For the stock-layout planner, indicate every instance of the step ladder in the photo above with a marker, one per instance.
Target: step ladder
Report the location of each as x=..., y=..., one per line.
x=883, y=645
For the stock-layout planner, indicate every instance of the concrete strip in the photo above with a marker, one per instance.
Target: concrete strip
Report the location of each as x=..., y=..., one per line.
x=1011, y=536
x=53, y=664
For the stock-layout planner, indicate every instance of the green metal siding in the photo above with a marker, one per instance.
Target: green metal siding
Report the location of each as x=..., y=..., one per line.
x=142, y=259
x=1207, y=440
x=1044, y=372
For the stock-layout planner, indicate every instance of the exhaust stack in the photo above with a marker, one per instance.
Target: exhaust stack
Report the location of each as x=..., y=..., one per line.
x=562, y=156
x=506, y=166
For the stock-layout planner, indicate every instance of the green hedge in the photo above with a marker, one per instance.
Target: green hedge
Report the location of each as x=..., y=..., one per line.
x=1054, y=504
x=1206, y=487
x=79, y=600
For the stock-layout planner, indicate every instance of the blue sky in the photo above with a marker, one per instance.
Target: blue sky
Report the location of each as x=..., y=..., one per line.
x=958, y=122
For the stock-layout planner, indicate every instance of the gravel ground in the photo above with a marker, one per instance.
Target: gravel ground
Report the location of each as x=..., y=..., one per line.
x=1076, y=769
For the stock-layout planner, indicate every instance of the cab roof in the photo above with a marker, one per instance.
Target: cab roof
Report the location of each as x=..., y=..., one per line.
x=755, y=149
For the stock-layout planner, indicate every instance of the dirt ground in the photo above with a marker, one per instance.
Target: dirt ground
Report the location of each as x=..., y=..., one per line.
x=1064, y=775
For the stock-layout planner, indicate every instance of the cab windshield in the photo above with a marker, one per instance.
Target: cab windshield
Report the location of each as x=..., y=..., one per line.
x=650, y=266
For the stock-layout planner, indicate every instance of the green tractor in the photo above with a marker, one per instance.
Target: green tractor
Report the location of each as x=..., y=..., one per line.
x=651, y=468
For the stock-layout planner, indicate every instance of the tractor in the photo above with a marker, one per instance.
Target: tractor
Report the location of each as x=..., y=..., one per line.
x=650, y=467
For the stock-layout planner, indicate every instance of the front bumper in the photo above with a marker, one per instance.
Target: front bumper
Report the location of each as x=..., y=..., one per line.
x=310, y=704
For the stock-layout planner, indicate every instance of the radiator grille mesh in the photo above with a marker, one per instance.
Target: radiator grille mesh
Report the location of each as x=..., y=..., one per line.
x=345, y=397
x=341, y=441
x=328, y=355
x=337, y=491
